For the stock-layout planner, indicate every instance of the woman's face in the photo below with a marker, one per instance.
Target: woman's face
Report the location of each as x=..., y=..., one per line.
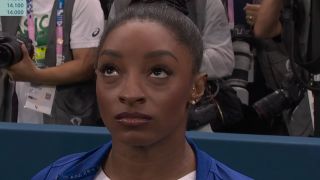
x=144, y=83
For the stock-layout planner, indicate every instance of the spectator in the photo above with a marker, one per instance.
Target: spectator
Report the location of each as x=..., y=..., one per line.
x=65, y=35
x=145, y=84
x=210, y=18
x=274, y=64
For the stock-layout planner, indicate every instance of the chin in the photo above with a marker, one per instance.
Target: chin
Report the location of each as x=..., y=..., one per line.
x=137, y=139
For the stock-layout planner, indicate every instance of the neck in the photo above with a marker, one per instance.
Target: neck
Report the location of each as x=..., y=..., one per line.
x=163, y=161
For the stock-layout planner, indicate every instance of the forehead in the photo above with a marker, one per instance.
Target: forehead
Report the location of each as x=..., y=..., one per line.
x=137, y=38
x=144, y=34
x=143, y=29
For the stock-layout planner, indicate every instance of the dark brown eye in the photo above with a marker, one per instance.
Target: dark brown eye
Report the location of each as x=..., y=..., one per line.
x=160, y=72
x=109, y=70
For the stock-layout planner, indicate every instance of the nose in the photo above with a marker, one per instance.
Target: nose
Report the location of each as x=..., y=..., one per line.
x=132, y=92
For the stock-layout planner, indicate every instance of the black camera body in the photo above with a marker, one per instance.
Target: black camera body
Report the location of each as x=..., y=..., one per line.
x=10, y=49
x=281, y=99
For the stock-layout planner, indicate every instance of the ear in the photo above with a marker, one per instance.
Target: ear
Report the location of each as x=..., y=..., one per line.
x=199, y=86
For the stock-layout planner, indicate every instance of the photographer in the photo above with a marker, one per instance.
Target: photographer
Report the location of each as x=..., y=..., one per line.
x=287, y=108
x=65, y=36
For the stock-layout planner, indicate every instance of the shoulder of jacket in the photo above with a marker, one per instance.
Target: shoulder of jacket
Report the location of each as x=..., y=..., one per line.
x=223, y=171
x=71, y=158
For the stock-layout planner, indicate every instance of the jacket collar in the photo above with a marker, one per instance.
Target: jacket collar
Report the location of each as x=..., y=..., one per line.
x=90, y=163
x=205, y=163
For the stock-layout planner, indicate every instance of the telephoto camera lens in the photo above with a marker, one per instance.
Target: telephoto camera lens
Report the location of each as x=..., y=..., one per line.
x=10, y=49
x=239, y=78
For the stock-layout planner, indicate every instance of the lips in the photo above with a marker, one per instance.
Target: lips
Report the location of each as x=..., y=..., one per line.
x=133, y=119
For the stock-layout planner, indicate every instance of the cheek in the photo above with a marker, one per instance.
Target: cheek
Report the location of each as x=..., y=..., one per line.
x=104, y=100
x=173, y=99
x=172, y=102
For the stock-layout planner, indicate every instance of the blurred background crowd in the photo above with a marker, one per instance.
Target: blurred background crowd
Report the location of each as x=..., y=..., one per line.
x=260, y=57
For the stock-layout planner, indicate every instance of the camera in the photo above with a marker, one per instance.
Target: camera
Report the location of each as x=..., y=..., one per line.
x=279, y=100
x=10, y=49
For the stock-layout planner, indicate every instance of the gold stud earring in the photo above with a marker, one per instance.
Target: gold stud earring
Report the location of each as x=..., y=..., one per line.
x=193, y=102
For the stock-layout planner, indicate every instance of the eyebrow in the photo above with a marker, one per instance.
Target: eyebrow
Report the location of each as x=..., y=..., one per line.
x=112, y=53
x=160, y=53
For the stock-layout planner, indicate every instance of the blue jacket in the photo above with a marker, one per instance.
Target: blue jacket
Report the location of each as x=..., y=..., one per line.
x=86, y=165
